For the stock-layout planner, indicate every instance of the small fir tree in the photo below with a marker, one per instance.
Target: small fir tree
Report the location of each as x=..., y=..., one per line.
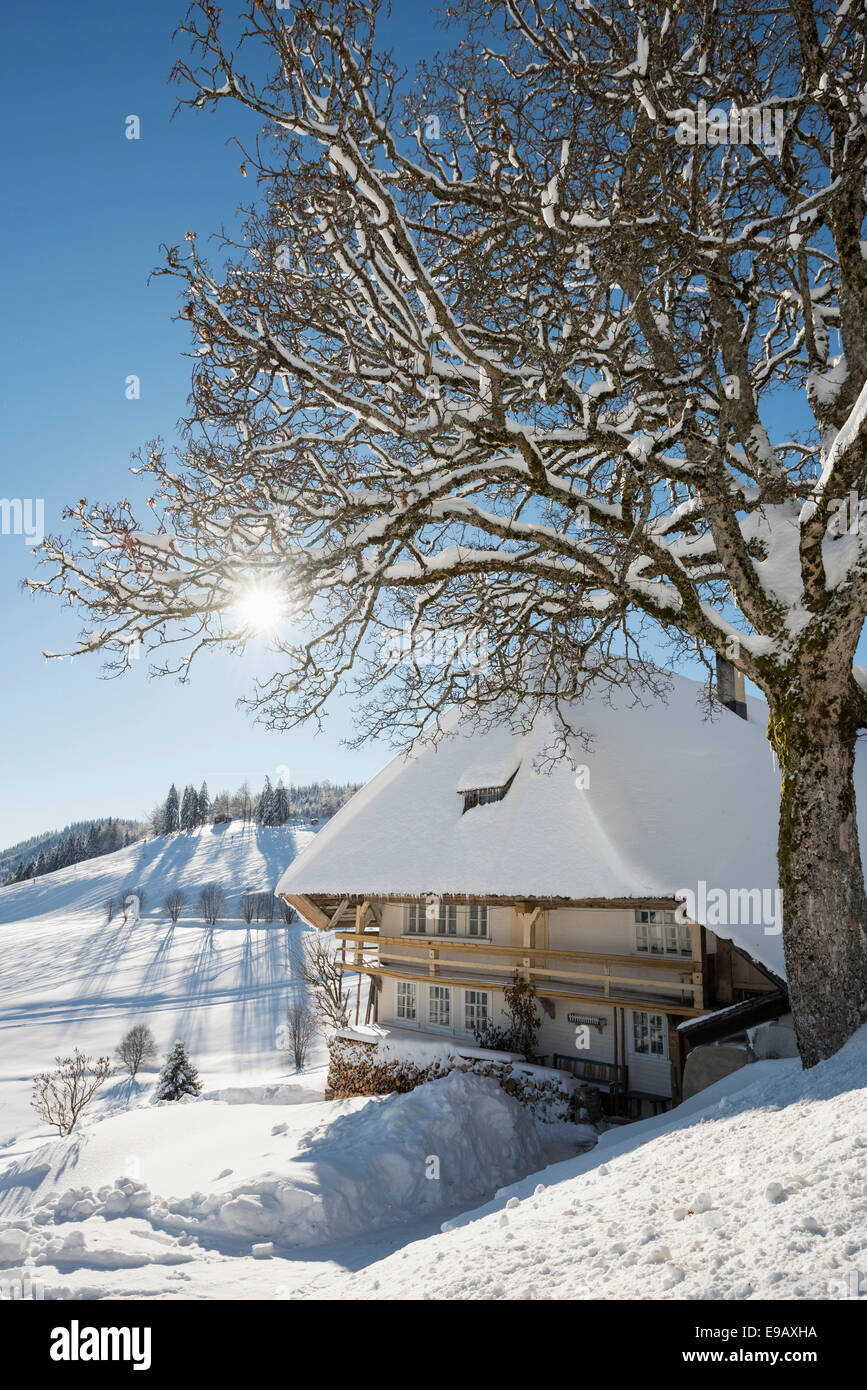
x=178, y=1077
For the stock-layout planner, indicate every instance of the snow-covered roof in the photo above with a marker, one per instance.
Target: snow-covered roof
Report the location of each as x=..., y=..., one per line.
x=668, y=800
x=490, y=771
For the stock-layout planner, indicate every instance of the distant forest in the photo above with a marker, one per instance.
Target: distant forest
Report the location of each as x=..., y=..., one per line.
x=56, y=849
x=271, y=806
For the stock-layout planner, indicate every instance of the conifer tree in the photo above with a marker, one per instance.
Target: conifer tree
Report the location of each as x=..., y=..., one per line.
x=280, y=805
x=178, y=1077
x=265, y=806
x=171, y=815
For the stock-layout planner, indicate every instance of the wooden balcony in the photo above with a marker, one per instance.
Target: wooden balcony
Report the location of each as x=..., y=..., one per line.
x=577, y=976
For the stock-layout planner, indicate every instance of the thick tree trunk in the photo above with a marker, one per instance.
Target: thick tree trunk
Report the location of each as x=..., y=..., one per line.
x=824, y=904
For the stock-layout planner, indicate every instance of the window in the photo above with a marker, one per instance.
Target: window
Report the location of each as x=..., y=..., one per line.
x=441, y=919
x=658, y=933
x=447, y=920
x=476, y=1009
x=477, y=920
x=648, y=1034
x=416, y=919
x=406, y=1001
x=483, y=796
x=439, y=1006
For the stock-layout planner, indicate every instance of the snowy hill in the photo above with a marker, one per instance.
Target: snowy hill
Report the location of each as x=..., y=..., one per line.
x=70, y=978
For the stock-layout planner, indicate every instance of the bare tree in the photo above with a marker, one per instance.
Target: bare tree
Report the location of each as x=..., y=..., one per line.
x=108, y=908
x=174, y=904
x=242, y=803
x=60, y=1097
x=212, y=903
x=136, y=1048
x=300, y=1028
x=514, y=381
x=315, y=965
x=287, y=913
x=248, y=907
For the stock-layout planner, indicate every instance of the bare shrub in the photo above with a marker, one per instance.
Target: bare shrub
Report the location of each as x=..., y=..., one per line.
x=60, y=1097
x=521, y=1030
x=265, y=907
x=300, y=1028
x=136, y=1048
x=109, y=906
x=314, y=963
x=174, y=904
x=287, y=913
x=212, y=903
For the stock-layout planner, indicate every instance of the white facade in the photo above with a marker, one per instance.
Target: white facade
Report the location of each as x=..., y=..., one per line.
x=447, y=1005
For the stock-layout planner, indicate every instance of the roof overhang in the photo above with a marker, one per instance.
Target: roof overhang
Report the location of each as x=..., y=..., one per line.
x=710, y=1028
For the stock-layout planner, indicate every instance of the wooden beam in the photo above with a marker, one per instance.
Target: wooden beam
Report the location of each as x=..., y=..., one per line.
x=338, y=912
x=308, y=910
x=360, y=917
x=675, y=1054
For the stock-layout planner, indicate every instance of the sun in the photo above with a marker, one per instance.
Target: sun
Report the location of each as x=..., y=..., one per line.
x=260, y=608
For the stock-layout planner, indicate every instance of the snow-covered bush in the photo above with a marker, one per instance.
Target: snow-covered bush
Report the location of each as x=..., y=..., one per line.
x=178, y=1077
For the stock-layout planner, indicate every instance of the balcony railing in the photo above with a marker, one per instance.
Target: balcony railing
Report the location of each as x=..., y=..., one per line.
x=552, y=971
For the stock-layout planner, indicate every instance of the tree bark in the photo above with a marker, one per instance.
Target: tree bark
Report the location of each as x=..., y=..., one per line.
x=821, y=876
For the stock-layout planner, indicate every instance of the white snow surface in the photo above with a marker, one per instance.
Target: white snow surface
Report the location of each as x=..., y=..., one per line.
x=668, y=799
x=753, y=1189
x=756, y=1188
x=326, y=1172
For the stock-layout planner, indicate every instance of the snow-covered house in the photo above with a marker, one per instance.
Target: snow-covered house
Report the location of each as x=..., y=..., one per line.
x=635, y=887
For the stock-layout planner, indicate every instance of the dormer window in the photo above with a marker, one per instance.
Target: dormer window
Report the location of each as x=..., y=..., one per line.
x=482, y=796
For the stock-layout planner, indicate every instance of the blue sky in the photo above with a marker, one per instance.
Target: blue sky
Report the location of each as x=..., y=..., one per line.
x=86, y=212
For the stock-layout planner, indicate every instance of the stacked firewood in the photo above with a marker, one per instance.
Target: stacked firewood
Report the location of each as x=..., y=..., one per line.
x=361, y=1069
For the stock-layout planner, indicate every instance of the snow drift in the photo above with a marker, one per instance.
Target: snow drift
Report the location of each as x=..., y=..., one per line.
x=756, y=1188
x=365, y=1165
